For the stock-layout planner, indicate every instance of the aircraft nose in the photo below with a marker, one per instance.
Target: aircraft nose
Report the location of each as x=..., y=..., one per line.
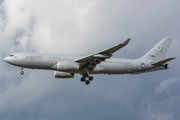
x=6, y=59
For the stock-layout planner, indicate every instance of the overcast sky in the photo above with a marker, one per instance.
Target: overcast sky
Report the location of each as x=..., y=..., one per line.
x=84, y=27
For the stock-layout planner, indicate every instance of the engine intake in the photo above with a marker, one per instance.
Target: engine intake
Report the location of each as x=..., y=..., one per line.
x=58, y=74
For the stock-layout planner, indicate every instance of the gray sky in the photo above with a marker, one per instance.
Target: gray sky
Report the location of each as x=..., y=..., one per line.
x=83, y=27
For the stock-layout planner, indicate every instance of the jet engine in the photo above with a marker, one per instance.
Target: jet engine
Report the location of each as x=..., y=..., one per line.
x=58, y=74
x=67, y=66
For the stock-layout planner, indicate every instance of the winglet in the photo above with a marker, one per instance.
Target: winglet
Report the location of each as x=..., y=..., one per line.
x=127, y=41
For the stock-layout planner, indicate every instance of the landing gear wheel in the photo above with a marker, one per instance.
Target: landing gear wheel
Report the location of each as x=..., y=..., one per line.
x=83, y=79
x=85, y=75
x=22, y=72
x=87, y=82
x=91, y=78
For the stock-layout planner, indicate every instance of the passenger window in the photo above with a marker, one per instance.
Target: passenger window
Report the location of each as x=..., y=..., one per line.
x=11, y=55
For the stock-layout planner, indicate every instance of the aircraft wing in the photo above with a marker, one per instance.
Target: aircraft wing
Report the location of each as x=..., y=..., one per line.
x=96, y=58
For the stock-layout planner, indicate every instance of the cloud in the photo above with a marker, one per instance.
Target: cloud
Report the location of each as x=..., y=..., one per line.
x=78, y=23
x=158, y=115
x=166, y=85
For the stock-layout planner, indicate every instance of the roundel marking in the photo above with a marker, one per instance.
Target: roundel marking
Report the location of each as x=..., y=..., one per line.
x=159, y=48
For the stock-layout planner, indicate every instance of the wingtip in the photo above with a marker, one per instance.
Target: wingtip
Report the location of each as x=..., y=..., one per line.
x=127, y=41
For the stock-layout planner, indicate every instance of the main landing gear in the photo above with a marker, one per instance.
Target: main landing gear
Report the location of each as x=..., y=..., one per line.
x=83, y=79
x=22, y=72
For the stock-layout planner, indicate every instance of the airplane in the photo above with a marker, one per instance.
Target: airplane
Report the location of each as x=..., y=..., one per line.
x=65, y=66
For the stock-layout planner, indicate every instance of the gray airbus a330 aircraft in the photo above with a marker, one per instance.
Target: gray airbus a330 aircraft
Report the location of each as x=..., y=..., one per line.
x=65, y=66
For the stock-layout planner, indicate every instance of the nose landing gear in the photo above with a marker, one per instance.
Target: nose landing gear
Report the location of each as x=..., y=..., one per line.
x=22, y=72
x=83, y=79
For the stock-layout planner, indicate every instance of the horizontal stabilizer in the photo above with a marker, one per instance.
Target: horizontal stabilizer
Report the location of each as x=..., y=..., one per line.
x=162, y=62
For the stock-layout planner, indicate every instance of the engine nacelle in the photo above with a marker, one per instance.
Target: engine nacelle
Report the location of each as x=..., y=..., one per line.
x=58, y=74
x=67, y=66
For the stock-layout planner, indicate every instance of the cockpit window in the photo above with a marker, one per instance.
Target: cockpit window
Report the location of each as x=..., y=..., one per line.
x=11, y=55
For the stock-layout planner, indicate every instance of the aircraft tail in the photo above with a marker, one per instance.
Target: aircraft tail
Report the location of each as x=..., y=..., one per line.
x=159, y=51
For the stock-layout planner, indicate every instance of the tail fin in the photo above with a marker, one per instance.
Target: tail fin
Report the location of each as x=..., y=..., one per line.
x=159, y=51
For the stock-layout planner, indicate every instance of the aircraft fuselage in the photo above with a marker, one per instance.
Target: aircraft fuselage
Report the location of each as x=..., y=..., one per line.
x=49, y=62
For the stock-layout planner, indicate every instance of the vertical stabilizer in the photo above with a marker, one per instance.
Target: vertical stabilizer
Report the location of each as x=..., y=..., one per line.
x=159, y=51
